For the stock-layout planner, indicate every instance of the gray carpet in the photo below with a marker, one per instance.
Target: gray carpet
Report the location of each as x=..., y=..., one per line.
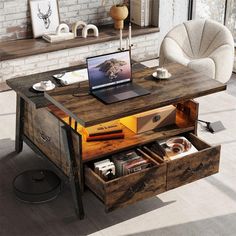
x=206, y=207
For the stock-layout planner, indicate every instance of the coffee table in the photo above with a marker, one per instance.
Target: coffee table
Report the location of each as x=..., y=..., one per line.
x=52, y=126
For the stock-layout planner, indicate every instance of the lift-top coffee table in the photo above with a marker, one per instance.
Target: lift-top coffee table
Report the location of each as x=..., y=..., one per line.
x=51, y=125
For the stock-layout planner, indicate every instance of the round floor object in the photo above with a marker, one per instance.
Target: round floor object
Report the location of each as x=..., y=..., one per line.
x=37, y=186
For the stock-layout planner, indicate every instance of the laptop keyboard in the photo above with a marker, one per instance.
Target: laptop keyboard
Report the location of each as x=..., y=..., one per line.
x=125, y=95
x=120, y=88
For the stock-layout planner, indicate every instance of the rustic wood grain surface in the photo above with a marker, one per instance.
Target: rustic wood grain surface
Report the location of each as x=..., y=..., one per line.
x=87, y=110
x=28, y=47
x=23, y=85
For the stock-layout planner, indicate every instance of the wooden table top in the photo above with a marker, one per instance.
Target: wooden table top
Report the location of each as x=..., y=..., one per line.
x=23, y=85
x=184, y=84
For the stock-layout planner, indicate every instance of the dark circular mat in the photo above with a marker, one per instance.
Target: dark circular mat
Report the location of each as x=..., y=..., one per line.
x=37, y=186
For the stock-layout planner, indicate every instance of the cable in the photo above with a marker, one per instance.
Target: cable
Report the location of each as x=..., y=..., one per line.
x=203, y=121
x=81, y=92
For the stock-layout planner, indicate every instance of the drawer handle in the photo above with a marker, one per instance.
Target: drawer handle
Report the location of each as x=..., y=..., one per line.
x=156, y=118
x=138, y=187
x=193, y=171
x=190, y=171
x=44, y=137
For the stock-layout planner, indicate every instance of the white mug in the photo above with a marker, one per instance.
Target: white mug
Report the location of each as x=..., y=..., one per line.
x=162, y=72
x=45, y=84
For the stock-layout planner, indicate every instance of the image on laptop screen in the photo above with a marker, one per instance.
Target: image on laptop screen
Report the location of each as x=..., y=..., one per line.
x=110, y=69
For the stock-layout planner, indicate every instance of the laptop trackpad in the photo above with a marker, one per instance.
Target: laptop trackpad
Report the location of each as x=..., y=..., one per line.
x=124, y=95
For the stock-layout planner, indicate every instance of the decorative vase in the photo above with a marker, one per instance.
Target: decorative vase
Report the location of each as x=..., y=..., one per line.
x=119, y=13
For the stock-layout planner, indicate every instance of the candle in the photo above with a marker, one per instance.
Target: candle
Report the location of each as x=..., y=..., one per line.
x=130, y=44
x=120, y=39
x=127, y=43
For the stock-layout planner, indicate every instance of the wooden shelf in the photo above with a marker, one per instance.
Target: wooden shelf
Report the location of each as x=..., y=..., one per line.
x=28, y=47
x=98, y=149
x=131, y=140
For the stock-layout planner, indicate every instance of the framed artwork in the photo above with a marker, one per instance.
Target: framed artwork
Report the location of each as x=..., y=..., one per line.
x=44, y=16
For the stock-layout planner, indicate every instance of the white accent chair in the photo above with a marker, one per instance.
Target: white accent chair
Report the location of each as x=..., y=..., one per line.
x=202, y=45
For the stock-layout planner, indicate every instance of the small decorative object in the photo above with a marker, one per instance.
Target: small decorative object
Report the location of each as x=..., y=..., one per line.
x=121, y=41
x=87, y=28
x=44, y=86
x=130, y=36
x=161, y=73
x=62, y=33
x=177, y=147
x=78, y=25
x=62, y=28
x=44, y=16
x=71, y=77
x=119, y=13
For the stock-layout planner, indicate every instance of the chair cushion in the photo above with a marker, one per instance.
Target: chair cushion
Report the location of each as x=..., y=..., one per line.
x=200, y=43
x=204, y=65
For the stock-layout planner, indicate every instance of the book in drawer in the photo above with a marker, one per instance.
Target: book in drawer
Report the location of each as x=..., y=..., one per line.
x=150, y=120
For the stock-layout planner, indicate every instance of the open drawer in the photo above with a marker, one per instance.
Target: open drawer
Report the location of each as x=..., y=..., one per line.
x=127, y=189
x=194, y=166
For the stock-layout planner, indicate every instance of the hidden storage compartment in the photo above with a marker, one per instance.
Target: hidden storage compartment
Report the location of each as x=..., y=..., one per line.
x=130, y=188
x=189, y=168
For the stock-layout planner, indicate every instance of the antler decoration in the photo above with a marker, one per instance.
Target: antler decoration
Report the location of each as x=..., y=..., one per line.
x=45, y=17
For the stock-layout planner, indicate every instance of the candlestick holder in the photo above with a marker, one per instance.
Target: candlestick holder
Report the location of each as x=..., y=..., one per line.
x=121, y=49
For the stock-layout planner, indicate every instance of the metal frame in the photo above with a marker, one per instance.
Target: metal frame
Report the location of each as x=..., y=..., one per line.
x=20, y=109
x=76, y=172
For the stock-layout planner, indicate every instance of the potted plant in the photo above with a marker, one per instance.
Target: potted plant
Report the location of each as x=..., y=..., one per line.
x=119, y=13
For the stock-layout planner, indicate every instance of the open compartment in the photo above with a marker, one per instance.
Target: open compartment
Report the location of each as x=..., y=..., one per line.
x=189, y=168
x=130, y=188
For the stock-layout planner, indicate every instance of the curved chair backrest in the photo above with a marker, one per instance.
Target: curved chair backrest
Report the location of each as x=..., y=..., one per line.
x=199, y=38
x=201, y=45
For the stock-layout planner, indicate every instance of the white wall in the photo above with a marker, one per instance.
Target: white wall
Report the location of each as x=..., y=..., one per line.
x=172, y=12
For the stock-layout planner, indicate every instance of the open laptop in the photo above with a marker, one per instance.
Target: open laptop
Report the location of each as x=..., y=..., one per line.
x=110, y=77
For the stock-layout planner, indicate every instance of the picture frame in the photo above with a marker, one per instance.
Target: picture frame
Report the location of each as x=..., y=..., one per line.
x=44, y=17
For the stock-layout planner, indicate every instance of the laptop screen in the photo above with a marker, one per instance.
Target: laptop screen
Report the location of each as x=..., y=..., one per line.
x=109, y=69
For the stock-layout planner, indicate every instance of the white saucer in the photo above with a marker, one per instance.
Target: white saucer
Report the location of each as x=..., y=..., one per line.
x=38, y=87
x=154, y=74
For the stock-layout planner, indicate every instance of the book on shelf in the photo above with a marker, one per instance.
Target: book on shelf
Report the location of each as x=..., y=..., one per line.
x=111, y=127
x=135, y=165
x=155, y=13
x=137, y=14
x=129, y=162
x=105, y=137
x=144, y=12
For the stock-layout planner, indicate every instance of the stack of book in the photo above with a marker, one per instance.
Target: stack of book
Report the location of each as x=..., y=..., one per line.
x=104, y=131
x=144, y=12
x=130, y=162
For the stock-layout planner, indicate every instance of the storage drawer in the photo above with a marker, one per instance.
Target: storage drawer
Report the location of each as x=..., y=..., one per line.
x=127, y=189
x=195, y=166
x=46, y=134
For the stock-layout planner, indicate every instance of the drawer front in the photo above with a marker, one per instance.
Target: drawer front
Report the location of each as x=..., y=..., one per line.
x=46, y=134
x=193, y=167
x=127, y=189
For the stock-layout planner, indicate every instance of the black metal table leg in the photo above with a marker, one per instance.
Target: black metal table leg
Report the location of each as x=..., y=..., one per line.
x=20, y=105
x=75, y=168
